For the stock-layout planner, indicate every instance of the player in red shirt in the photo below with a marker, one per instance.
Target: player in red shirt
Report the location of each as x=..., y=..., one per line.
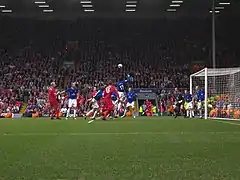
x=107, y=99
x=52, y=98
x=149, y=108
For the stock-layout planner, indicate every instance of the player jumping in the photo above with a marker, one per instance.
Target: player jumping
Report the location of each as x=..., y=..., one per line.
x=121, y=91
x=72, y=100
x=52, y=98
x=130, y=103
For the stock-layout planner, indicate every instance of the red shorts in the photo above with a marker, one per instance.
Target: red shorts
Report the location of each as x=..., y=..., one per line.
x=108, y=105
x=54, y=103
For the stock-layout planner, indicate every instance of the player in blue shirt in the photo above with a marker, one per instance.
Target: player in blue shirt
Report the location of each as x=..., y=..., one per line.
x=189, y=104
x=98, y=95
x=114, y=96
x=72, y=99
x=121, y=91
x=200, y=97
x=131, y=95
x=121, y=88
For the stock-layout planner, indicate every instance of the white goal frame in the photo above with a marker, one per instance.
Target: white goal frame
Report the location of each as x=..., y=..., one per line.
x=210, y=72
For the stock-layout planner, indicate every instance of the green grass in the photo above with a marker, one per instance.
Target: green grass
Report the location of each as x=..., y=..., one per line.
x=143, y=149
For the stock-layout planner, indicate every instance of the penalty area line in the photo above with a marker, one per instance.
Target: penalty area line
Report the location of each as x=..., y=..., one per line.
x=226, y=122
x=117, y=133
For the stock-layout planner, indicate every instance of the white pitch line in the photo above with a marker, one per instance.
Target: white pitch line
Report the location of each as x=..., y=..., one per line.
x=227, y=119
x=117, y=133
x=227, y=122
x=88, y=134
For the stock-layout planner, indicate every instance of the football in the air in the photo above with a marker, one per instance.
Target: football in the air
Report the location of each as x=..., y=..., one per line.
x=120, y=65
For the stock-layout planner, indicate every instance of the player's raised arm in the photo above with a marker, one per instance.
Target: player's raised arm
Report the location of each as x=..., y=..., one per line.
x=129, y=79
x=68, y=90
x=61, y=92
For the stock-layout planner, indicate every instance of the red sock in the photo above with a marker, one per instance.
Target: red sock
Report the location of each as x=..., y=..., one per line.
x=52, y=113
x=106, y=113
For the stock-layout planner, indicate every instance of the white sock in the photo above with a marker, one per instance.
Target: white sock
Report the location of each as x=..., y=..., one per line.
x=95, y=113
x=74, y=113
x=68, y=113
x=200, y=112
x=119, y=106
x=125, y=112
x=187, y=113
x=90, y=112
x=133, y=114
x=192, y=112
x=116, y=112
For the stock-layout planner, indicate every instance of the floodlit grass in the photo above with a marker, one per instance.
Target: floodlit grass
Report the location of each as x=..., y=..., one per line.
x=142, y=149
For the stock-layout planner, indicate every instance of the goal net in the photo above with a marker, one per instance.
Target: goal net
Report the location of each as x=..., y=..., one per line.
x=221, y=90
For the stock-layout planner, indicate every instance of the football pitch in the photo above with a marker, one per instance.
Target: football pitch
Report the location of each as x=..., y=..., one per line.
x=156, y=148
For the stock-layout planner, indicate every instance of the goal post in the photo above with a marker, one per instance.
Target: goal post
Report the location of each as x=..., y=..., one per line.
x=221, y=88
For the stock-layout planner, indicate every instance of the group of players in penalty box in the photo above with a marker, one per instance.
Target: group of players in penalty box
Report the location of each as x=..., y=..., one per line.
x=109, y=100
x=185, y=103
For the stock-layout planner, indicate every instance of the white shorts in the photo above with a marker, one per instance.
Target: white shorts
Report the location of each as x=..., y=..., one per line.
x=72, y=103
x=190, y=105
x=122, y=96
x=64, y=110
x=115, y=103
x=199, y=105
x=95, y=104
x=130, y=104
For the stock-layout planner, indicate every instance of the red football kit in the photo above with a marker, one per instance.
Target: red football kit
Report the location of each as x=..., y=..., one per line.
x=52, y=97
x=107, y=99
x=149, y=108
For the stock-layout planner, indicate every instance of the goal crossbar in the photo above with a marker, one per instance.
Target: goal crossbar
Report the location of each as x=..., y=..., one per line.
x=216, y=72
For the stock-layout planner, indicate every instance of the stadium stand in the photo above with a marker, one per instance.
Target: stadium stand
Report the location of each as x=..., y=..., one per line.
x=88, y=51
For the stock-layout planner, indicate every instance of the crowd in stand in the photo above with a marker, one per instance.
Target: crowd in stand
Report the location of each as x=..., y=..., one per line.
x=34, y=53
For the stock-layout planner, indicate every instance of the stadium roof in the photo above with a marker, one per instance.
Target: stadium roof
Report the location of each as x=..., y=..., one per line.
x=69, y=9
